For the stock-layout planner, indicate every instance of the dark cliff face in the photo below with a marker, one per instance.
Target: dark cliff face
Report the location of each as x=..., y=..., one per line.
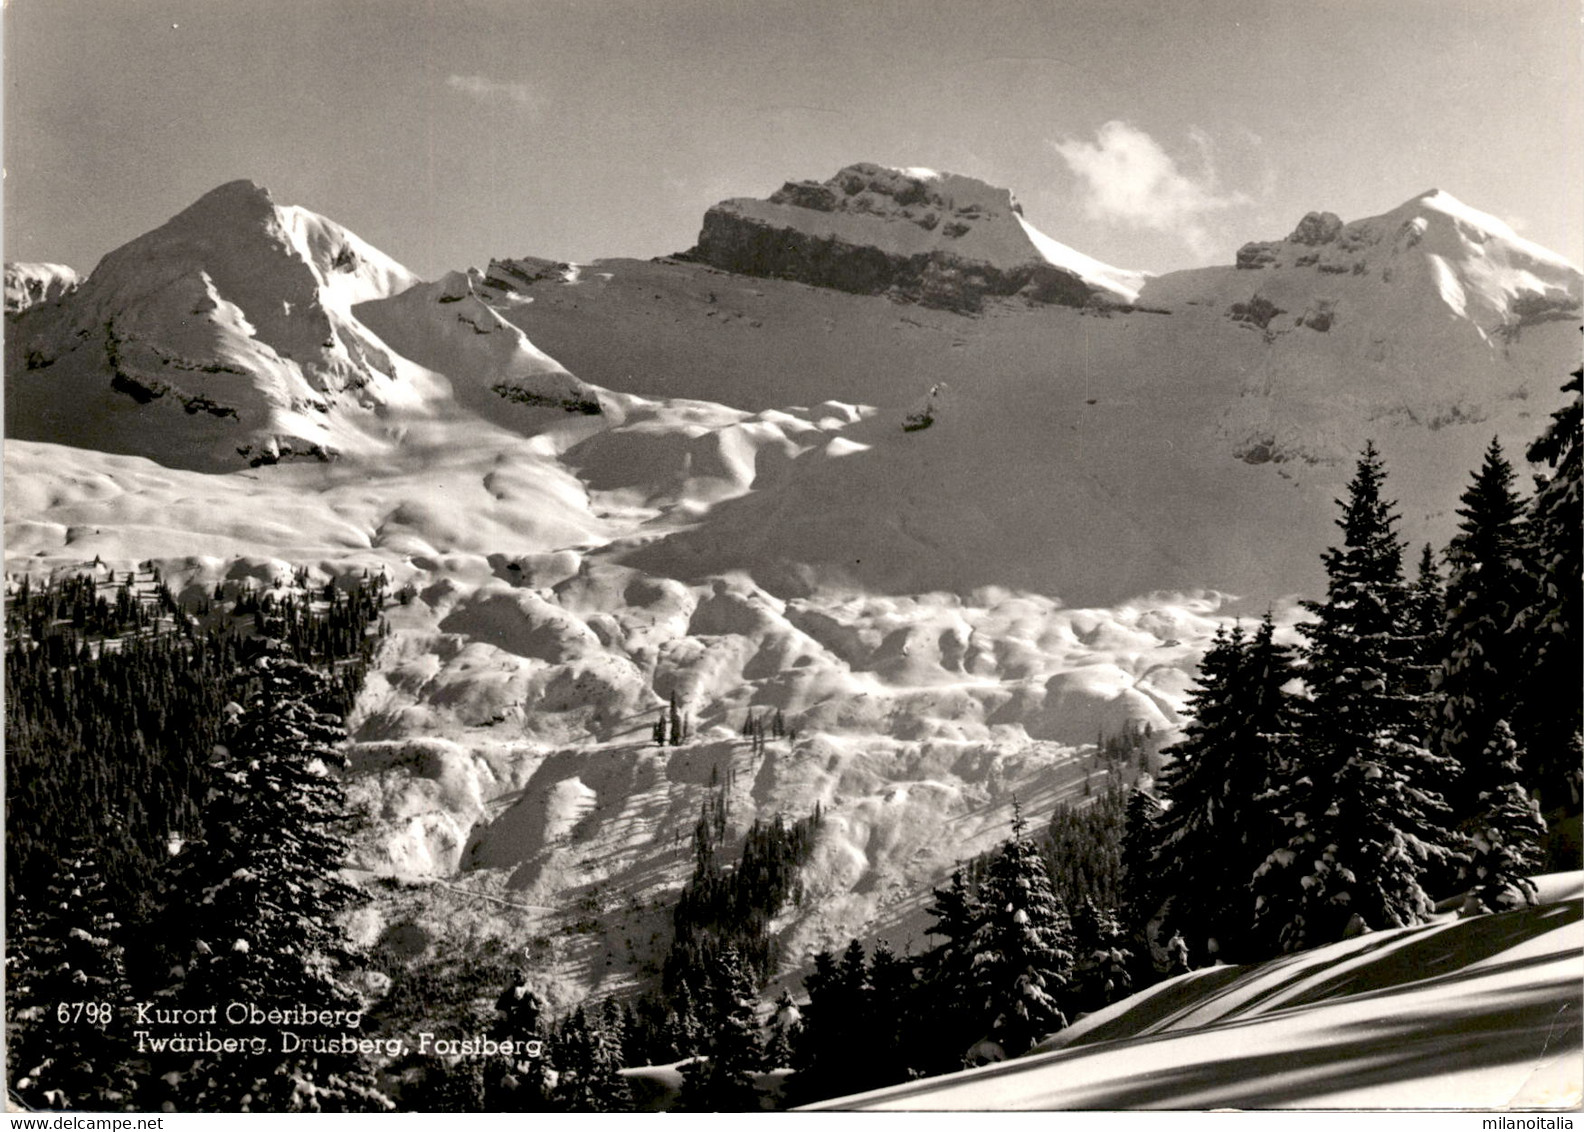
x=940, y=240
x=937, y=278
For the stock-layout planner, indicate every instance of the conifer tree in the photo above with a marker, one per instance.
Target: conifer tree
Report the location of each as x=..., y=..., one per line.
x=1427, y=614
x=1505, y=832
x=783, y=1024
x=68, y=998
x=588, y=1057
x=839, y=996
x=690, y=1033
x=1023, y=949
x=523, y=1016
x=1141, y=894
x=1487, y=588
x=1102, y=959
x=950, y=996
x=889, y=1034
x=1362, y=820
x=1553, y=662
x=1192, y=828
x=261, y=897
x=724, y=1081
x=1218, y=829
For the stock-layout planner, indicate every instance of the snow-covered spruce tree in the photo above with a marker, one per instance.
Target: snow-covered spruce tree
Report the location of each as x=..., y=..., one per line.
x=1218, y=829
x=1023, y=949
x=1488, y=586
x=1193, y=828
x=67, y=998
x=1505, y=831
x=1101, y=974
x=261, y=898
x=892, y=1034
x=1141, y=893
x=840, y=997
x=1549, y=720
x=724, y=1080
x=588, y=1058
x=949, y=996
x=1427, y=616
x=1363, y=823
x=783, y=1026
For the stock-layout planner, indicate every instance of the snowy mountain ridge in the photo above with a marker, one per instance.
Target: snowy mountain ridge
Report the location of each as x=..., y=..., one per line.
x=233, y=334
x=1477, y=266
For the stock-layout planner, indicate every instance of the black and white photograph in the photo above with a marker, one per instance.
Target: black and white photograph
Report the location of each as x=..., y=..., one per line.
x=746, y=556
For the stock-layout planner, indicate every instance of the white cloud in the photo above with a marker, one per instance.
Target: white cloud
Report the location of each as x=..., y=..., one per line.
x=491, y=90
x=1127, y=177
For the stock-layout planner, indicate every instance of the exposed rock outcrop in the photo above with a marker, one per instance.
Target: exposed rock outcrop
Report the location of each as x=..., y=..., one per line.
x=919, y=236
x=517, y=274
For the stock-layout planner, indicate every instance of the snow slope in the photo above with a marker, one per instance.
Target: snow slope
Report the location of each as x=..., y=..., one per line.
x=1478, y=1013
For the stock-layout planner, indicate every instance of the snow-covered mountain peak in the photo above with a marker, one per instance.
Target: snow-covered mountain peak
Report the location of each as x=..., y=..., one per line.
x=29, y=284
x=908, y=194
x=941, y=239
x=237, y=233
x=236, y=330
x=1432, y=248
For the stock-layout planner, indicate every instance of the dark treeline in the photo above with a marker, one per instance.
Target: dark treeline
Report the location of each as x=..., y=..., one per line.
x=1082, y=848
x=729, y=905
x=248, y=909
x=116, y=696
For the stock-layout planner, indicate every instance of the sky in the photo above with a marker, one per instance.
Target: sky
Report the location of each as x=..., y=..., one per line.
x=1152, y=136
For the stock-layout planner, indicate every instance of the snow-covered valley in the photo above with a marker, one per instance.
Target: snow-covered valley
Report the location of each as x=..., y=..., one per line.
x=953, y=543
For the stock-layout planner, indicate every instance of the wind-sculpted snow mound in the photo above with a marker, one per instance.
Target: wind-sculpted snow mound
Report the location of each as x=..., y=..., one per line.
x=939, y=239
x=1480, y=1012
x=523, y=658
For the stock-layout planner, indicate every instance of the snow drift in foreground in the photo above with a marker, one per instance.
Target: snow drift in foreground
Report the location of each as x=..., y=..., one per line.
x=1460, y=1013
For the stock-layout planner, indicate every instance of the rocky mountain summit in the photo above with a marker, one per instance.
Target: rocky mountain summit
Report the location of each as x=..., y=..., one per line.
x=938, y=239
